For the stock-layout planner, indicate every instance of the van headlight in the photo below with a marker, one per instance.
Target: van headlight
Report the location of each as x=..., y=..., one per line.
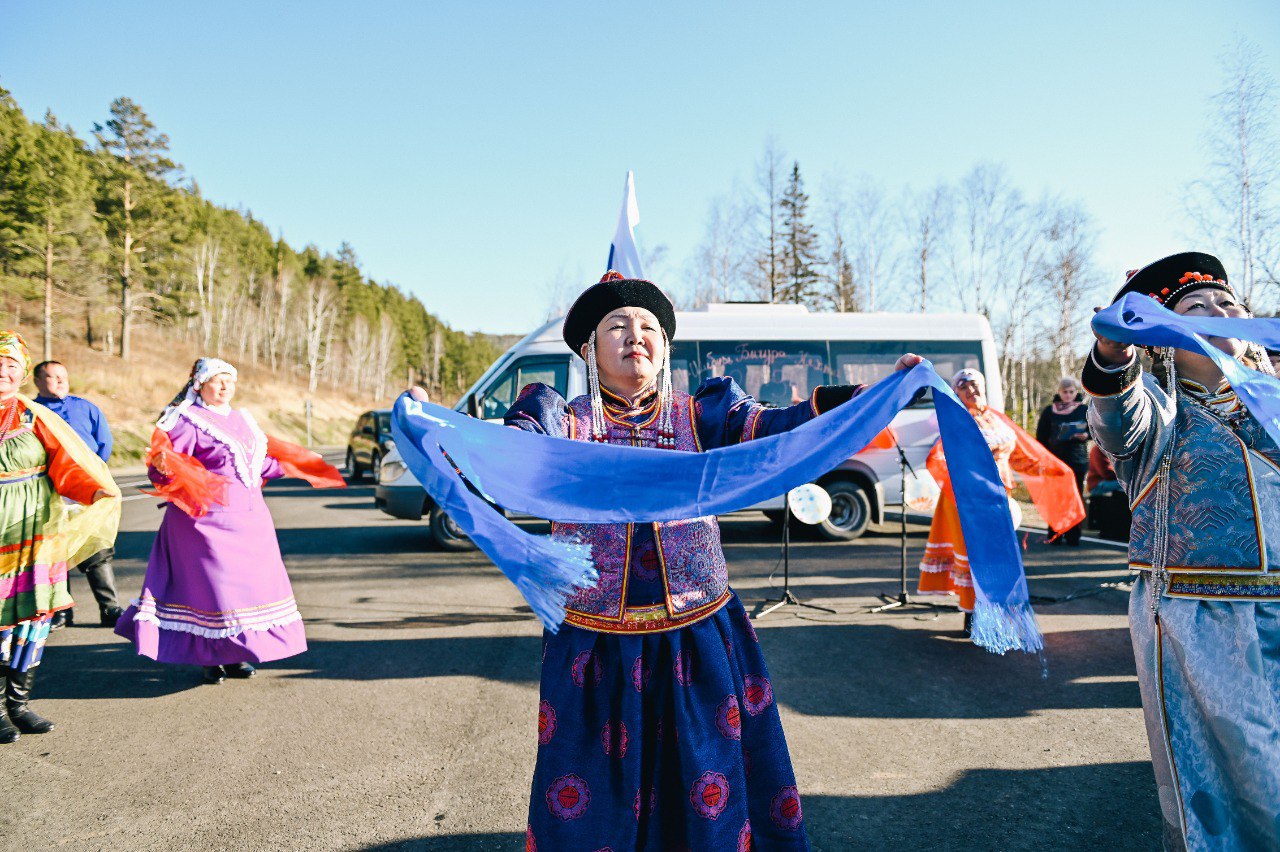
x=391, y=471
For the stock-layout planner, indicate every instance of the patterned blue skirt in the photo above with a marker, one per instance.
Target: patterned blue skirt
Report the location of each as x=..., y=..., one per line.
x=662, y=741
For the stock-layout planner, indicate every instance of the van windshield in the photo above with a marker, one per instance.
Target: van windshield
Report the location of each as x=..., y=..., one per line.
x=501, y=393
x=777, y=373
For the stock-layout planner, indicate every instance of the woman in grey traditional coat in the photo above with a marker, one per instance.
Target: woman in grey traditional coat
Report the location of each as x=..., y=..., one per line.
x=1203, y=478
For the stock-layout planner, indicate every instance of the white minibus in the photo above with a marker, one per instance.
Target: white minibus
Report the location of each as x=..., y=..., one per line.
x=778, y=354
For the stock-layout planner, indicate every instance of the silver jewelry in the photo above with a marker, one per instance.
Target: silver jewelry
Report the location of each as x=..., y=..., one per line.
x=593, y=387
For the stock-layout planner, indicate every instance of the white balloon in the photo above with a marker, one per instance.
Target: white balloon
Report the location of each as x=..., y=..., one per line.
x=810, y=504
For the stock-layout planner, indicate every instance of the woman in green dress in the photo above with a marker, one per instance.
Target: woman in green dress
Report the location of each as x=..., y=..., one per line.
x=41, y=461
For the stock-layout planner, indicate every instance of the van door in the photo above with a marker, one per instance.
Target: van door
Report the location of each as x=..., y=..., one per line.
x=496, y=397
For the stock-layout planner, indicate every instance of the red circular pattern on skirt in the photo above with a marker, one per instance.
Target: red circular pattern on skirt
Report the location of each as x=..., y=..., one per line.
x=546, y=722
x=640, y=674
x=785, y=809
x=568, y=797
x=645, y=806
x=614, y=738
x=587, y=670
x=710, y=795
x=757, y=695
x=684, y=668
x=729, y=718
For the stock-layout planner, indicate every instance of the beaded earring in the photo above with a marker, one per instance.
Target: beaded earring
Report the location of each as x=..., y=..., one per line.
x=666, y=401
x=593, y=387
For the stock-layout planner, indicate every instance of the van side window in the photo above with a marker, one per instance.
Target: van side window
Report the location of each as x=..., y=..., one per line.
x=869, y=361
x=502, y=391
x=776, y=373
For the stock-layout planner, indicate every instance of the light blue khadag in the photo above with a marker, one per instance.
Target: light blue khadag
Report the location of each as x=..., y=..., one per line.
x=576, y=481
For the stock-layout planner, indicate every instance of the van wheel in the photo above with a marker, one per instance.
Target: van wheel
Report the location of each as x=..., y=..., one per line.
x=850, y=511
x=375, y=467
x=446, y=532
x=354, y=470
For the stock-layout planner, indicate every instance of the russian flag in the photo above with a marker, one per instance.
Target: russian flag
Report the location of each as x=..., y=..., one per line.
x=623, y=255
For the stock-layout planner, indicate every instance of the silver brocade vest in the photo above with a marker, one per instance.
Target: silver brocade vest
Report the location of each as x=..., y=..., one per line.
x=1224, y=498
x=691, y=559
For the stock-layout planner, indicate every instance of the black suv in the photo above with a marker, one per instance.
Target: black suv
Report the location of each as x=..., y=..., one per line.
x=369, y=443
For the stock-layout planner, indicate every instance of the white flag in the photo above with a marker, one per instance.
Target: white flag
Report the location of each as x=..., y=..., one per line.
x=623, y=255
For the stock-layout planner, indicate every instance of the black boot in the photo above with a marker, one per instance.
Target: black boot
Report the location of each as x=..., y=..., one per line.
x=968, y=624
x=61, y=619
x=17, y=696
x=213, y=675
x=240, y=670
x=102, y=581
x=8, y=733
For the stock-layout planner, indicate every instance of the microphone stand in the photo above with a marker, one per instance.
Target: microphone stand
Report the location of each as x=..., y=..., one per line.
x=903, y=599
x=788, y=597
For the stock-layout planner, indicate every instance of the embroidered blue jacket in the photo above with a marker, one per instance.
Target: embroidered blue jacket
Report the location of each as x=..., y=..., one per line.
x=677, y=564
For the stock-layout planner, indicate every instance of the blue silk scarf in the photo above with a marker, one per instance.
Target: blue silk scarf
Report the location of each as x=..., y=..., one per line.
x=584, y=482
x=1141, y=321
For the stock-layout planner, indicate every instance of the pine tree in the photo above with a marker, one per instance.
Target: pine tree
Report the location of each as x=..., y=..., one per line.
x=136, y=169
x=800, y=258
x=48, y=220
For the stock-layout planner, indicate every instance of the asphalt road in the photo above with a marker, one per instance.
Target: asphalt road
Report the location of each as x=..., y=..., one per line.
x=409, y=724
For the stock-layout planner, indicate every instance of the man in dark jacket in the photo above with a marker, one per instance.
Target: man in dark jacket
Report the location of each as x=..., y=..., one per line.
x=53, y=386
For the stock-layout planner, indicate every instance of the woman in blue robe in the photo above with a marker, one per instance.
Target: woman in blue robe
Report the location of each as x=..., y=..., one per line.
x=1203, y=478
x=657, y=726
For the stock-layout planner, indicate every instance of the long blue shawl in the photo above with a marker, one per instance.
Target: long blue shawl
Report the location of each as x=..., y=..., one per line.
x=584, y=482
x=1141, y=321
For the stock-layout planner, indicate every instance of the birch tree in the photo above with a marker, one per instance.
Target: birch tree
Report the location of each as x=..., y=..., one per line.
x=770, y=271
x=927, y=218
x=384, y=348
x=320, y=310
x=1235, y=206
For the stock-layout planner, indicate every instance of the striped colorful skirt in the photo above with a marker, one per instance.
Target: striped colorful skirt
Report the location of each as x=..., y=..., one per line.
x=32, y=587
x=944, y=570
x=662, y=741
x=22, y=647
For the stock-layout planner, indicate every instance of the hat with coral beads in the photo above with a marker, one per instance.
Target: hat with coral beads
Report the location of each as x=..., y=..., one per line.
x=1169, y=279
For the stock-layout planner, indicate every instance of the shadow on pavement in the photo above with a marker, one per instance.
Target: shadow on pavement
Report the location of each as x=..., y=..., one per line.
x=877, y=671
x=1007, y=809
x=453, y=843
x=513, y=659
x=112, y=670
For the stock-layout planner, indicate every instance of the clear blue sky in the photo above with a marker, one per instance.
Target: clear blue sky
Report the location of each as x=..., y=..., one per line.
x=473, y=151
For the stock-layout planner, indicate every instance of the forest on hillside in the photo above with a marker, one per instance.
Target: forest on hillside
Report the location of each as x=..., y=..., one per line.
x=105, y=234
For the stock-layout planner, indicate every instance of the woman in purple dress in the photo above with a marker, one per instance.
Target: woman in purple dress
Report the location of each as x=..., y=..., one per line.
x=216, y=593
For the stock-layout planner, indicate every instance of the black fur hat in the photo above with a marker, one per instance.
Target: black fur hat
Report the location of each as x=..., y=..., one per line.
x=614, y=292
x=1169, y=279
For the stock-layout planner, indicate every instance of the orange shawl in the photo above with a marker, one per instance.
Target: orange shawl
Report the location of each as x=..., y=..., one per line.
x=193, y=488
x=1050, y=480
